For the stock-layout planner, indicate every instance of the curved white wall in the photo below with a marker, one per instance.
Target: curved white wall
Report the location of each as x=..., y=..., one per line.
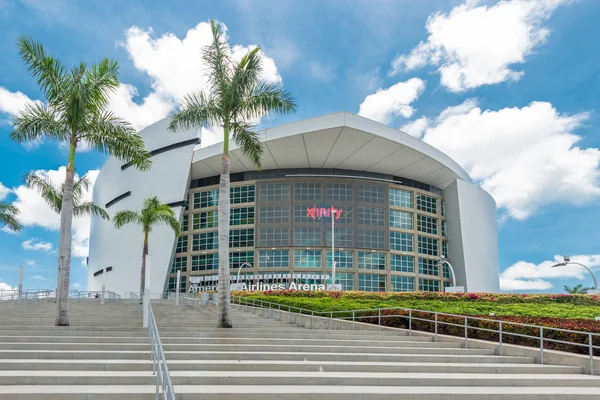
x=121, y=249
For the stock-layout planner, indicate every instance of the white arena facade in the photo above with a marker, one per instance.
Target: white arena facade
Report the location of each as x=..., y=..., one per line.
x=399, y=205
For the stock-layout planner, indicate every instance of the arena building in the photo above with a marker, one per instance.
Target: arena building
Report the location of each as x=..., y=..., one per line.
x=398, y=205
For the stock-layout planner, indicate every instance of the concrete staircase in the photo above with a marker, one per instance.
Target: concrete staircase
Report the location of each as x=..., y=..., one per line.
x=105, y=355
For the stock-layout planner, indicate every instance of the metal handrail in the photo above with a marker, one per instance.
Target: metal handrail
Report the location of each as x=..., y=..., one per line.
x=248, y=301
x=160, y=368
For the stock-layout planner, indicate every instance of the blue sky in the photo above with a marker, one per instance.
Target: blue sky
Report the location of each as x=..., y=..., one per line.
x=508, y=89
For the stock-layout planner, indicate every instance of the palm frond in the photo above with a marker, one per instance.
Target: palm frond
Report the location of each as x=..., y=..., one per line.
x=125, y=217
x=38, y=121
x=196, y=109
x=248, y=141
x=219, y=60
x=45, y=187
x=88, y=208
x=80, y=187
x=110, y=134
x=247, y=74
x=269, y=98
x=99, y=82
x=8, y=216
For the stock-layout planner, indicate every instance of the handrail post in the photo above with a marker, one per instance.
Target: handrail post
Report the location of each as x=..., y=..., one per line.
x=436, y=326
x=352, y=319
x=591, y=349
x=466, y=333
x=331, y=321
x=500, y=337
x=541, y=345
x=410, y=322
x=379, y=318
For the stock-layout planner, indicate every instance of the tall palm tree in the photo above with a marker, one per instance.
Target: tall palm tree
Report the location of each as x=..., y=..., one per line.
x=75, y=111
x=153, y=213
x=54, y=196
x=237, y=95
x=579, y=289
x=8, y=216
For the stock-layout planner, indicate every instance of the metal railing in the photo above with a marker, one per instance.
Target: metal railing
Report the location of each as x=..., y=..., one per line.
x=27, y=294
x=164, y=386
x=380, y=315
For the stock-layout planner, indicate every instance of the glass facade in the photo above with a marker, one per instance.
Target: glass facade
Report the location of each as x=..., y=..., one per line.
x=387, y=236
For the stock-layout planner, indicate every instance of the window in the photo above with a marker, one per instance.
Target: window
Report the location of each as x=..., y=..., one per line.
x=401, y=219
x=401, y=198
x=238, y=258
x=203, y=220
x=339, y=192
x=345, y=279
x=205, y=241
x=208, y=198
x=308, y=191
x=401, y=241
x=241, y=194
x=445, y=249
x=241, y=216
x=241, y=238
x=307, y=259
x=427, y=245
x=446, y=271
x=308, y=236
x=429, y=285
x=344, y=237
x=301, y=213
x=182, y=244
x=403, y=283
x=443, y=208
x=273, y=259
x=275, y=236
x=444, y=231
x=427, y=224
x=400, y=263
x=367, y=260
x=428, y=266
x=371, y=282
x=184, y=223
x=274, y=214
x=173, y=285
x=371, y=216
x=274, y=192
x=344, y=259
x=426, y=203
x=179, y=264
x=371, y=194
x=205, y=262
x=371, y=239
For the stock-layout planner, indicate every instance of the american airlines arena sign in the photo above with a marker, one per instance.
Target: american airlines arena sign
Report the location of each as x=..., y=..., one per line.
x=281, y=281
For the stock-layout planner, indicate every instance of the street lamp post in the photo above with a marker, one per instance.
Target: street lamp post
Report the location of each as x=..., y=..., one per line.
x=237, y=285
x=452, y=288
x=567, y=261
x=333, y=262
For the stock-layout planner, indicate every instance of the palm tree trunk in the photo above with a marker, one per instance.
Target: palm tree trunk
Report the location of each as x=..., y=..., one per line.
x=64, y=242
x=143, y=274
x=224, y=206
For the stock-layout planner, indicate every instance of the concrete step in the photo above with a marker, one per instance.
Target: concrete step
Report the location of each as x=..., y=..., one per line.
x=296, y=392
x=74, y=339
x=402, y=341
x=5, y=329
x=67, y=332
x=75, y=346
x=75, y=354
x=282, y=331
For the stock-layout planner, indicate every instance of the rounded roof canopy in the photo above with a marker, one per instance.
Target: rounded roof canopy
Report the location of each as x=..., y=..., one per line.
x=339, y=141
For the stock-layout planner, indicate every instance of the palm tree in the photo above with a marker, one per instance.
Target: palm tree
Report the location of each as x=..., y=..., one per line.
x=54, y=196
x=153, y=213
x=579, y=289
x=237, y=95
x=74, y=111
x=8, y=216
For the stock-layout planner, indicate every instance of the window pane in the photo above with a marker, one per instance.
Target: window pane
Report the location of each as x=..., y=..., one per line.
x=308, y=236
x=400, y=263
x=274, y=236
x=446, y=271
x=371, y=216
x=427, y=224
x=401, y=219
x=241, y=194
x=443, y=209
x=403, y=283
x=371, y=194
x=368, y=260
x=401, y=241
x=344, y=259
x=205, y=241
x=371, y=282
x=444, y=231
x=426, y=203
x=428, y=266
x=345, y=279
x=182, y=244
x=205, y=262
x=307, y=258
x=208, y=198
x=238, y=258
x=203, y=220
x=445, y=249
x=429, y=285
x=184, y=223
x=273, y=259
x=173, y=285
x=274, y=192
x=401, y=198
x=344, y=237
x=276, y=214
x=339, y=192
x=241, y=216
x=308, y=191
x=179, y=264
x=427, y=245
x=241, y=238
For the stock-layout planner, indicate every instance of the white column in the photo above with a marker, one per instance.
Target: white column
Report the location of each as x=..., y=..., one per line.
x=20, y=282
x=177, y=288
x=102, y=295
x=147, y=292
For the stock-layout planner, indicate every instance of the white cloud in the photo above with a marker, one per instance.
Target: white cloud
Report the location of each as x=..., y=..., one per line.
x=5, y=286
x=35, y=244
x=175, y=67
x=524, y=157
x=12, y=103
x=35, y=211
x=417, y=127
x=4, y=191
x=30, y=262
x=75, y=285
x=320, y=71
x=39, y=278
x=477, y=44
x=384, y=104
x=529, y=276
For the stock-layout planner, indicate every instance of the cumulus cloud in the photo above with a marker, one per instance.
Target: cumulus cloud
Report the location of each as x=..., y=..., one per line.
x=12, y=103
x=35, y=244
x=524, y=157
x=5, y=286
x=175, y=68
x=416, y=128
x=384, y=104
x=35, y=211
x=529, y=276
x=30, y=262
x=4, y=191
x=478, y=44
